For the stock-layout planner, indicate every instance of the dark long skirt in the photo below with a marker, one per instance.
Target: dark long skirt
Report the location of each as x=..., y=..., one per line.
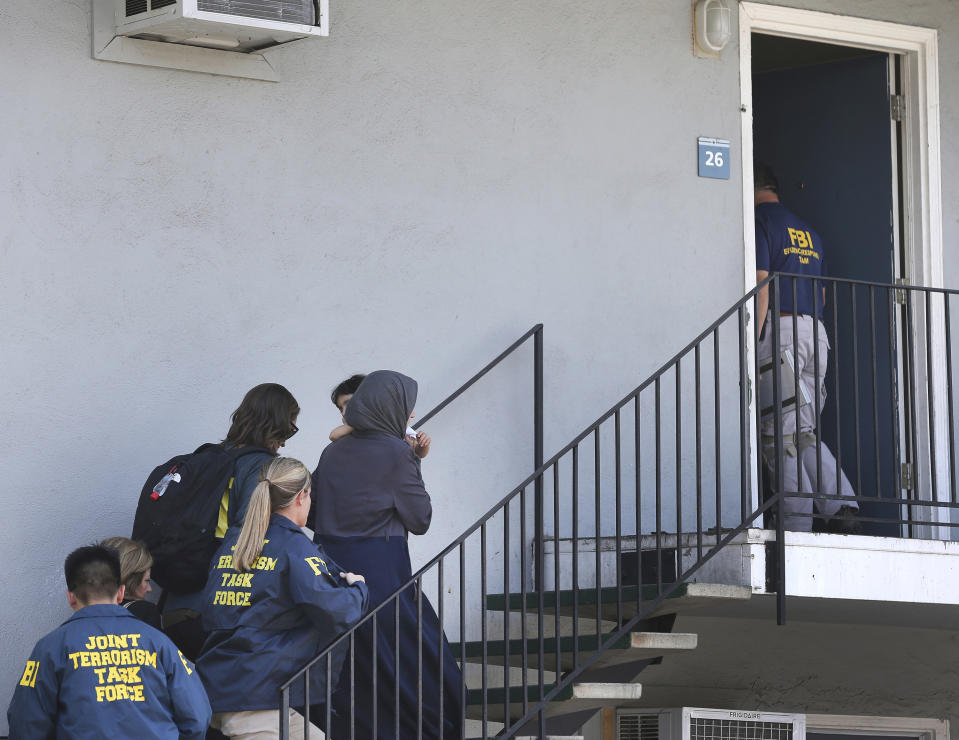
x=385, y=563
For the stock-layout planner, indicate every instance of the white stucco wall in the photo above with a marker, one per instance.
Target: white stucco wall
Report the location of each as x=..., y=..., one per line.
x=421, y=187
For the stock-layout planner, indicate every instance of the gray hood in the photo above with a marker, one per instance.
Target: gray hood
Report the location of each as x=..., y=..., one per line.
x=383, y=403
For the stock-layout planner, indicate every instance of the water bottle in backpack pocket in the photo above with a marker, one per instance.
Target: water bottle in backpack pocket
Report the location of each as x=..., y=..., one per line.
x=181, y=505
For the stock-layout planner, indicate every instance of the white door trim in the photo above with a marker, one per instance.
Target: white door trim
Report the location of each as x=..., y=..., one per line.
x=921, y=87
x=922, y=209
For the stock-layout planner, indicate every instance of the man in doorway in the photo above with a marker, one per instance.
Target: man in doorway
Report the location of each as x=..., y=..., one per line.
x=103, y=672
x=787, y=244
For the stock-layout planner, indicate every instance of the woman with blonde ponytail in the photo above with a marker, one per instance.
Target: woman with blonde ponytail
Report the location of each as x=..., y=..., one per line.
x=273, y=601
x=257, y=519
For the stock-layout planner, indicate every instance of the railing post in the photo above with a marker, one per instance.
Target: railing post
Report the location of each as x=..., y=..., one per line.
x=538, y=450
x=285, y=713
x=538, y=398
x=780, y=559
x=778, y=452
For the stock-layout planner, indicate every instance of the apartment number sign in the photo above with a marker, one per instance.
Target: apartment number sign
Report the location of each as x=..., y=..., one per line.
x=713, y=158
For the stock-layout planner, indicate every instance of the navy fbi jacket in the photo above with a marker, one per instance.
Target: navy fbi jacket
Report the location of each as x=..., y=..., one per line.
x=266, y=623
x=786, y=243
x=105, y=673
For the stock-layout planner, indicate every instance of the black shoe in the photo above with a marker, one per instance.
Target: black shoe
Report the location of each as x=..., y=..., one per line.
x=845, y=521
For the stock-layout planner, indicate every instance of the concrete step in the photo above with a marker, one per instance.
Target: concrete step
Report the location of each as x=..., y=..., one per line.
x=609, y=604
x=632, y=647
x=580, y=697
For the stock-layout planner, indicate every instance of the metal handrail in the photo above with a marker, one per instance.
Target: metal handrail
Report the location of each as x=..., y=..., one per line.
x=734, y=413
x=536, y=480
x=534, y=331
x=910, y=384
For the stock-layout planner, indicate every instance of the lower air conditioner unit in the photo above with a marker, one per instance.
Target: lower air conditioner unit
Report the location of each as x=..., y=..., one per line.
x=691, y=723
x=234, y=25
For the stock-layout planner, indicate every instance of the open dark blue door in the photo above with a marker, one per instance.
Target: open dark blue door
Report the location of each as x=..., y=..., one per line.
x=825, y=129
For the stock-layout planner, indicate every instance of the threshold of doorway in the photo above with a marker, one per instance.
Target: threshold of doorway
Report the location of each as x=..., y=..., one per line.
x=819, y=565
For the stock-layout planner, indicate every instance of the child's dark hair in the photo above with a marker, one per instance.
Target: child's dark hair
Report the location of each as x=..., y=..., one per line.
x=347, y=387
x=93, y=572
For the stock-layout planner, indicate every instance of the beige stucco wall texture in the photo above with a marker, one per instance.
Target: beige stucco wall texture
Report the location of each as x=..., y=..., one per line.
x=419, y=189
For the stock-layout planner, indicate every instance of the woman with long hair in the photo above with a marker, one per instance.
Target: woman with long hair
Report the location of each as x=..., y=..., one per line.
x=273, y=601
x=265, y=419
x=135, y=565
x=260, y=426
x=369, y=497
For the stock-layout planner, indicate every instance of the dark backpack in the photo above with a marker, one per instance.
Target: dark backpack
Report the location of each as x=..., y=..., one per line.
x=178, y=512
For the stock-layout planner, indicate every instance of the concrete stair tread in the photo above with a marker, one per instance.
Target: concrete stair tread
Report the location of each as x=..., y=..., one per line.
x=584, y=601
x=633, y=646
x=579, y=696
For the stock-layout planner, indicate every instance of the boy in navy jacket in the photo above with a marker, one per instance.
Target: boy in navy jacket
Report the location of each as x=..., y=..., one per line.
x=103, y=672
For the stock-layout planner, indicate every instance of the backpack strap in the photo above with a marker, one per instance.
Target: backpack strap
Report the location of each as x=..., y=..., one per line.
x=206, y=446
x=236, y=453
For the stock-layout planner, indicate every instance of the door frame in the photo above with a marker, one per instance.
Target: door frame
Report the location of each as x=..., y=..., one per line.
x=921, y=209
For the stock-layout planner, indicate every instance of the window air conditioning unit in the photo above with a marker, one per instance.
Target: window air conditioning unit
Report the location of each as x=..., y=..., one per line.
x=233, y=25
x=689, y=723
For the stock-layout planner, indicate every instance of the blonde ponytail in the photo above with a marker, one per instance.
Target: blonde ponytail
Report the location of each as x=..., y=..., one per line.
x=281, y=479
x=257, y=519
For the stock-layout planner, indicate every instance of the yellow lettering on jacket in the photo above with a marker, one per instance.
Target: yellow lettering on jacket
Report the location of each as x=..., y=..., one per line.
x=102, y=642
x=265, y=563
x=315, y=564
x=237, y=580
x=119, y=692
x=231, y=598
x=29, y=677
x=117, y=662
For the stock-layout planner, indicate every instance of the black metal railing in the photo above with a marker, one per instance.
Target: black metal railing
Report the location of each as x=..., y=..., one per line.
x=579, y=492
x=536, y=333
x=886, y=411
x=693, y=456
x=877, y=429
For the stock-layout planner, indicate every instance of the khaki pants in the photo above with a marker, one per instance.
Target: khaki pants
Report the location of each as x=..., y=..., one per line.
x=262, y=725
x=801, y=469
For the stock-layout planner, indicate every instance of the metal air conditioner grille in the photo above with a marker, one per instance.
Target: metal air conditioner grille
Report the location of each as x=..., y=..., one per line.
x=134, y=7
x=161, y=4
x=701, y=728
x=287, y=11
x=638, y=727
